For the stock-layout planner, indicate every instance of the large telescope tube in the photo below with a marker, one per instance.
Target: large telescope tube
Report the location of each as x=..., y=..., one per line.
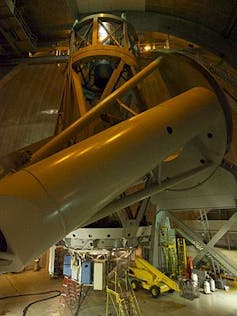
x=42, y=203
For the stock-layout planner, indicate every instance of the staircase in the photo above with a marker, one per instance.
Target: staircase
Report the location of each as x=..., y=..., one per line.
x=207, y=237
x=220, y=261
x=217, y=260
x=205, y=225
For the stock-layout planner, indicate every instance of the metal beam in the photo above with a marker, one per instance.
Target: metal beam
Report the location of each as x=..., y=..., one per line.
x=113, y=80
x=11, y=41
x=78, y=93
x=124, y=106
x=59, y=141
x=224, y=229
x=123, y=216
x=146, y=193
x=154, y=250
x=144, y=204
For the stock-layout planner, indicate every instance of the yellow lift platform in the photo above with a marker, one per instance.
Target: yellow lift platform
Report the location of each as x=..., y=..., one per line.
x=145, y=275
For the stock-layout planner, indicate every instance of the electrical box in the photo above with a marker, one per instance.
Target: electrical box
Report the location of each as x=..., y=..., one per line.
x=67, y=271
x=99, y=276
x=87, y=272
x=76, y=267
x=75, y=272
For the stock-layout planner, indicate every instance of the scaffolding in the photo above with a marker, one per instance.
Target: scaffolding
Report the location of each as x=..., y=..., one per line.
x=121, y=297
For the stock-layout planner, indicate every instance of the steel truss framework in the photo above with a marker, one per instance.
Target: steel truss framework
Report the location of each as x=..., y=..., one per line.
x=207, y=249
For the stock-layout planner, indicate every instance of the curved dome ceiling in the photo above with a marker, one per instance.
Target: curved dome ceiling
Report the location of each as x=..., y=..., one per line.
x=209, y=23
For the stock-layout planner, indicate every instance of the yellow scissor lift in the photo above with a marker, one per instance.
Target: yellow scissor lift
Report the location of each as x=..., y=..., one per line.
x=145, y=275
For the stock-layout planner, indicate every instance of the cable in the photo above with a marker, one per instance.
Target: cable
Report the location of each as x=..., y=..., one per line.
x=32, y=294
x=81, y=300
x=28, y=294
x=38, y=301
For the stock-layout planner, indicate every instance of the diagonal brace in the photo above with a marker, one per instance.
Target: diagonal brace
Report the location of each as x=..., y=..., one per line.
x=195, y=240
x=217, y=237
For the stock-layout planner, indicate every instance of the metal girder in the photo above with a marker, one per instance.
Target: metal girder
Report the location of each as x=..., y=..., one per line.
x=199, y=244
x=146, y=193
x=78, y=92
x=109, y=34
x=124, y=106
x=113, y=79
x=109, y=233
x=137, y=90
x=123, y=216
x=59, y=141
x=144, y=203
x=11, y=41
x=154, y=249
x=94, y=238
x=224, y=229
x=141, y=209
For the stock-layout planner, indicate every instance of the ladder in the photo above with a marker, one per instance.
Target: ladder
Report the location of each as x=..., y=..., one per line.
x=182, y=256
x=122, y=298
x=207, y=238
x=215, y=258
x=205, y=224
x=192, y=237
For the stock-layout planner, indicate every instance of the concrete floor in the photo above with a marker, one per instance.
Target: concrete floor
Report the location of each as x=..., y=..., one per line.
x=220, y=303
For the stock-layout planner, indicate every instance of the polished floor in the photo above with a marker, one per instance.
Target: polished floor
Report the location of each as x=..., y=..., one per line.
x=220, y=303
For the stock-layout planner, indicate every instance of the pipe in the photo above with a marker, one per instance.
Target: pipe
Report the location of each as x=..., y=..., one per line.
x=59, y=140
x=42, y=203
